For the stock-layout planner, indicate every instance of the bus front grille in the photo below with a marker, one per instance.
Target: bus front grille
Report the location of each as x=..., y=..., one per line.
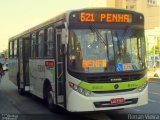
x=113, y=79
x=115, y=91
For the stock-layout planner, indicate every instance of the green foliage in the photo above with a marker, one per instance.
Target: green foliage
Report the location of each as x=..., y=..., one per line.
x=157, y=47
x=157, y=50
x=5, y=53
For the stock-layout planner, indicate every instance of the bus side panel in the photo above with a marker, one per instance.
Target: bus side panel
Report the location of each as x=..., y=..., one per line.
x=38, y=73
x=13, y=70
x=50, y=74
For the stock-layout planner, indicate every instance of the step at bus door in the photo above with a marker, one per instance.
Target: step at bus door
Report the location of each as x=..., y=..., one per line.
x=60, y=72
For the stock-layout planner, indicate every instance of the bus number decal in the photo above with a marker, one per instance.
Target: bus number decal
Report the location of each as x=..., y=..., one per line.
x=87, y=17
x=127, y=66
x=124, y=67
x=41, y=68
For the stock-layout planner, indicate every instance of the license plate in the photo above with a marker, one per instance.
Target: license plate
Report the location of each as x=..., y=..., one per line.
x=117, y=100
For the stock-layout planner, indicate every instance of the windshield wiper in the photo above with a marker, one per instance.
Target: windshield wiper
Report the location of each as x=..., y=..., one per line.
x=127, y=28
x=138, y=44
x=100, y=37
x=120, y=40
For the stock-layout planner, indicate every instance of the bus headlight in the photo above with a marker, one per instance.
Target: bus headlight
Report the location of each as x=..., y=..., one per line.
x=82, y=91
x=141, y=88
x=87, y=93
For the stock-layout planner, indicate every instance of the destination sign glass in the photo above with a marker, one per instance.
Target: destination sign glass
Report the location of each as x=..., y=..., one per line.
x=107, y=17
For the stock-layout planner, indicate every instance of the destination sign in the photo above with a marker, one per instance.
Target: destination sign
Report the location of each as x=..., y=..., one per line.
x=94, y=63
x=105, y=17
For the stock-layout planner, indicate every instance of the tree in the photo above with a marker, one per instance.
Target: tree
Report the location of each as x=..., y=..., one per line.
x=156, y=48
x=5, y=53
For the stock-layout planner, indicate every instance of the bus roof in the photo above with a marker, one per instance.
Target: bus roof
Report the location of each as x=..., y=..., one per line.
x=64, y=16
x=46, y=23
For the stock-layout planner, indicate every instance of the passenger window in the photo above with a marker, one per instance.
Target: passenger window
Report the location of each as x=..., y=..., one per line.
x=20, y=48
x=49, y=48
x=15, y=48
x=33, y=46
x=41, y=44
x=10, y=49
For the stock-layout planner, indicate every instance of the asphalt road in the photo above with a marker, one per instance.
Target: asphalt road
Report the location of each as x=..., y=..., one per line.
x=152, y=109
x=28, y=107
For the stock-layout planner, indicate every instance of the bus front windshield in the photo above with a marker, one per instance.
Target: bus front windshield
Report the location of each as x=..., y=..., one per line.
x=106, y=50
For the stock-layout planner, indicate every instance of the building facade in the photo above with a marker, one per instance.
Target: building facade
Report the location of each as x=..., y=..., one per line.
x=151, y=11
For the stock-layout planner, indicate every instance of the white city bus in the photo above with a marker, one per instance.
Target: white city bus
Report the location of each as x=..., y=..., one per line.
x=83, y=60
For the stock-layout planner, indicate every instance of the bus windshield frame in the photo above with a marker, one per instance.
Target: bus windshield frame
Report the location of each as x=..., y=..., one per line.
x=113, y=45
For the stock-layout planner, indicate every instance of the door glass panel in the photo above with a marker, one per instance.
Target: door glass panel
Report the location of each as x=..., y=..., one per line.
x=60, y=73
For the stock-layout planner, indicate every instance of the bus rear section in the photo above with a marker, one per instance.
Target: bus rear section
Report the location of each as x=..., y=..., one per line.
x=106, y=66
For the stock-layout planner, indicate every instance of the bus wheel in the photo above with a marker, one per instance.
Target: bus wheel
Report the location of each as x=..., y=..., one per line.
x=51, y=105
x=21, y=91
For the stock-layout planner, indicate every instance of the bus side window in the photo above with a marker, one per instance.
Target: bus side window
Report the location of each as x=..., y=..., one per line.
x=41, y=44
x=33, y=46
x=49, y=43
x=15, y=49
x=10, y=49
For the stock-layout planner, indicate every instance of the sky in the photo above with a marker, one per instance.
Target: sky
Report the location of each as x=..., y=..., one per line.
x=17, y=16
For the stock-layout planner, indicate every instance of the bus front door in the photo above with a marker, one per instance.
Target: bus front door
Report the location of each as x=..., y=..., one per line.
x=60, y=71
x=23, y=81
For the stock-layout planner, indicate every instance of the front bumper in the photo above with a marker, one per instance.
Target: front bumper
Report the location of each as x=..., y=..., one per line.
x=79, y=103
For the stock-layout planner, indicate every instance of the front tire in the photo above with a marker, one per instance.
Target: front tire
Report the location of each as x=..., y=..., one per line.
x=50, y=102
x=49, y=97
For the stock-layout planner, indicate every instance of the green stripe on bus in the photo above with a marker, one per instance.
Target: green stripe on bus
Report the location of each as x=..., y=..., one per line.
x=112, y=86
x=52, y=72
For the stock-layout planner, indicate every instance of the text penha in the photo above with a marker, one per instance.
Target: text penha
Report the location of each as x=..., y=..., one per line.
x=94, y=63
x=115, y=17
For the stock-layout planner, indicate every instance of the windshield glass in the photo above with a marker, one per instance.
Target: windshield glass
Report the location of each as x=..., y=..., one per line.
x=106, y=50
